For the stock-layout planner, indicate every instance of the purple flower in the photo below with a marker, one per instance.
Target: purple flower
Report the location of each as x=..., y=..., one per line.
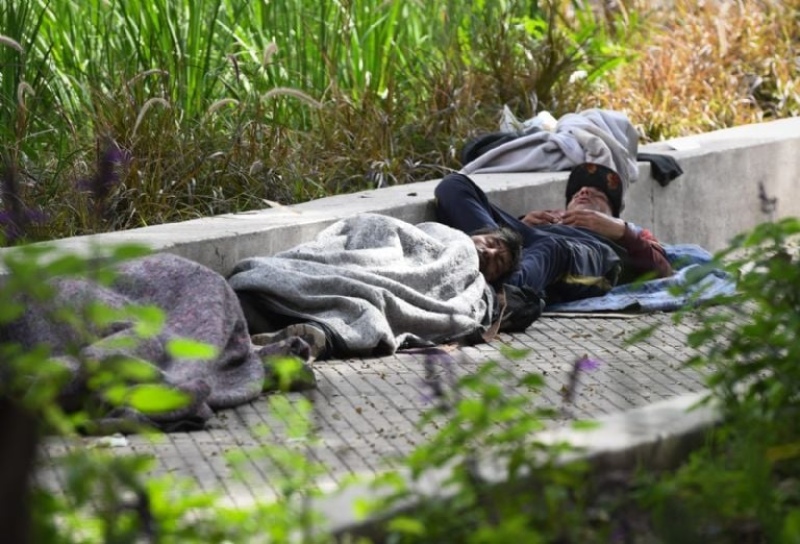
x=582, y=364
x=15, y=217
x=107, y=175
x=586, y=364
x=439, y=375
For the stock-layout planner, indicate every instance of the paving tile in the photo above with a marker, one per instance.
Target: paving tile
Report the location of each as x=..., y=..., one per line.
x=366, y=411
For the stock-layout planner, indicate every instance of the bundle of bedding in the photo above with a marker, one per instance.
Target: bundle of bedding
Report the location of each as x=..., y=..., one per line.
x=597, y=136
x=197, y=304
x=374, y=284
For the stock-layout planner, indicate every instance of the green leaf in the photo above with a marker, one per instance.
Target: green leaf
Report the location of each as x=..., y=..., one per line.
x=783, y=452
x=149, y=320
x=532, y=380
x=102, y=314
x=406, y=525
x=363, y=508
x=151, y=398
x=66, y=265
x=471, y=409
x=116, y=394
x=791, y=527
x=135, y=369
x=585, y=425
x=641, y=334
x=10, y=311
x=130, y=251
x=185, y=348
x=117, y=343
x=514, y=353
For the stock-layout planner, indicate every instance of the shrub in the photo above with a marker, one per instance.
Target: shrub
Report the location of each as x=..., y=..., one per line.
x=743, y=485
x=223, y=106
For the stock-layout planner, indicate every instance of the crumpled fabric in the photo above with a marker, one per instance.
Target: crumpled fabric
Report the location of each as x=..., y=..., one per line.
x=600, y=136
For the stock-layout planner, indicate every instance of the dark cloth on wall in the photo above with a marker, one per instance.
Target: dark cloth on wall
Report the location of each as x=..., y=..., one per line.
x=664, y=168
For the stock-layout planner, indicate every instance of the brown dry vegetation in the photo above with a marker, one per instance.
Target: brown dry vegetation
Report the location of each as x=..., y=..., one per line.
x=711, y=65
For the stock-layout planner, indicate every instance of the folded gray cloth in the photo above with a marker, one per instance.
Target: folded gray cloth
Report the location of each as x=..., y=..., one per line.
x=599, y=136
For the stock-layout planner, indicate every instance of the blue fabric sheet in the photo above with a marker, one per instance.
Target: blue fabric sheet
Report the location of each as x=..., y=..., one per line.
x=691, y=264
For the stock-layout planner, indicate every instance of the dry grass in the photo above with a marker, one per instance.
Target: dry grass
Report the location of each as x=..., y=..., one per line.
x=710, y=65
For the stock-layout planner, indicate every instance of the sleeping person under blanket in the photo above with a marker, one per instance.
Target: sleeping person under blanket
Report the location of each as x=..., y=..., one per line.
x=372, y=284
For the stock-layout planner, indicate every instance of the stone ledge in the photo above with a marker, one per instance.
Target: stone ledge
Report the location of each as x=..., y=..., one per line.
x=655, y=437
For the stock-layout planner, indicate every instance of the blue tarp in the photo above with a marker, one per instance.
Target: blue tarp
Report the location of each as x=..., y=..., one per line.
x=693, y=268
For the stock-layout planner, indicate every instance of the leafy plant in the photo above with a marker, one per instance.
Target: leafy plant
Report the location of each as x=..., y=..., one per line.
x=482, y=476
x=749, y=343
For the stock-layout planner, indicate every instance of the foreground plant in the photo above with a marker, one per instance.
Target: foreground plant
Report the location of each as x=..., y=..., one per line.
x=744, y=485
x=114, y=498
x=483, y=476
x=103, y=496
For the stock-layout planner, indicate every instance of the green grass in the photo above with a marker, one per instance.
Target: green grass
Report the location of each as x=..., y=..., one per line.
x=227, y=105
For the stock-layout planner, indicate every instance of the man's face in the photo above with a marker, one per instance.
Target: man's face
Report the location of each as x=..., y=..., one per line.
x=493, y=255
x=590, y=198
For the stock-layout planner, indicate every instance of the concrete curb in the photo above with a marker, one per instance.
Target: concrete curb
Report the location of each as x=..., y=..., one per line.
x=655, y=437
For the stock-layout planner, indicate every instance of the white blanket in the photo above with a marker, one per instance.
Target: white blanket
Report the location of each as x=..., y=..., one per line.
x=376, y=284
x=601, y=136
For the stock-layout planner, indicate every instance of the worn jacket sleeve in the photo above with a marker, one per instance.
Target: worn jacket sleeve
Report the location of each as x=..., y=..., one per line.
x=645, y=253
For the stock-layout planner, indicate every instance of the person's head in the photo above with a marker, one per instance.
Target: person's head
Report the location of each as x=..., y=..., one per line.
x=594, y=187
x=498, y=251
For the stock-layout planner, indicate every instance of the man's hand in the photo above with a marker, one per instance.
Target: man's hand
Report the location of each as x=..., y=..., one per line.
x=537, y=218
x=612, y=228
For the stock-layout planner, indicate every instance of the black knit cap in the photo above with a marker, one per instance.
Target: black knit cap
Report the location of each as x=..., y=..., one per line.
x=600, y=177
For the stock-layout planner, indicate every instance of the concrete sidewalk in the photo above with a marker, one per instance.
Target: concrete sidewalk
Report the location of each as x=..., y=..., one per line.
x=365, y=411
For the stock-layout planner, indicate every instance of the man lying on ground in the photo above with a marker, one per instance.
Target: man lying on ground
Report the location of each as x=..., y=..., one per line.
x=372, y=284
x=579, y=252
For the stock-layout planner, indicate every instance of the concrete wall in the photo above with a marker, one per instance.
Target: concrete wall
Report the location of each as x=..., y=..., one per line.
x=715, y=198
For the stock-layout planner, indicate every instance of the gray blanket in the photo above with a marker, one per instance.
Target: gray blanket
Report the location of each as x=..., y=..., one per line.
x=197, y=303
x=600, y=136
x=375, y=284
